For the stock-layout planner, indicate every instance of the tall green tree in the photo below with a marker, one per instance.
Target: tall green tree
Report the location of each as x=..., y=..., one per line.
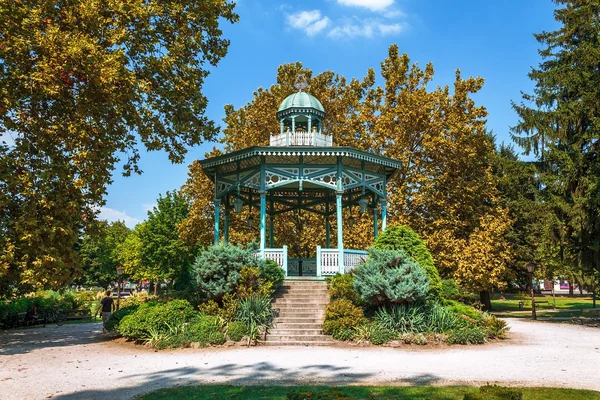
x=164, y=255
x=560, y=125
x=100, y=253
x=83, y=86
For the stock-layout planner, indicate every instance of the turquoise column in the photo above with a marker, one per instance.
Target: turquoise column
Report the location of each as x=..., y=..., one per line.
x=226, y=232
x=383, y=214
x=271, y=224
x=217, y=216
x=309, y=123
x=340, y=231
x=375, y=223
x=263, y=221
x=327, y=232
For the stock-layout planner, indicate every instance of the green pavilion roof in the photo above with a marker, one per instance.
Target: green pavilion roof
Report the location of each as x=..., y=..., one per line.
x=301, y=100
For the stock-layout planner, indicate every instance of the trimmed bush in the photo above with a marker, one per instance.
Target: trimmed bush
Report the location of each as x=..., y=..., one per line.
x=341, y=314
x=217, y=269
x=459, y=308
x=206, y=330
x=236, y=331
x=115, y=318
x=151, y=316
x=381, y=335
x=341, y=286
x=390, y=277
x=410, y=243
x=270, y=271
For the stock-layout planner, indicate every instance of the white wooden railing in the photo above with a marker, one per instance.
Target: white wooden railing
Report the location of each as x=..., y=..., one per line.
x=280, y=256
x=352, y=258
x=327, y=262
x=315, y=139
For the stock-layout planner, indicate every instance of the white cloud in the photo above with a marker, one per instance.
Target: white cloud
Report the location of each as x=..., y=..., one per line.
x=364, y=28
x=112, y=215
x=373, y=5
x=149, y=207
x=311, y=22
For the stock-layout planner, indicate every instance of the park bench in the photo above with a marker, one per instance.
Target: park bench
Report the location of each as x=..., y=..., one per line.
x=79, y=314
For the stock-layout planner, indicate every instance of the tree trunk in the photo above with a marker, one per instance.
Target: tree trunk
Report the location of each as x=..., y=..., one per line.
x=156, y=287
x=570, y=288
x=486, y=300
x=151, y=288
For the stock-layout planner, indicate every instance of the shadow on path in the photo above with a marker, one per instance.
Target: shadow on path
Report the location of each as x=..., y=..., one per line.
x=25, y=340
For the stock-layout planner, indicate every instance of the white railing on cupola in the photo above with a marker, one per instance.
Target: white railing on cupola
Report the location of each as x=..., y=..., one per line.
x=314, y=139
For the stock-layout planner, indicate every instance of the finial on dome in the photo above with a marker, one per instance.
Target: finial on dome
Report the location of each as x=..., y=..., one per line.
x=301, y=83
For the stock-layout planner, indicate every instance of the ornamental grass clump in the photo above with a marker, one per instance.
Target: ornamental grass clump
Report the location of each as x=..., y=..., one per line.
x=390, y=277
x=256, y=313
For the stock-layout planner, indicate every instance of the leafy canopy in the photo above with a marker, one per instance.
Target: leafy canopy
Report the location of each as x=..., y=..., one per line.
x=83, y=86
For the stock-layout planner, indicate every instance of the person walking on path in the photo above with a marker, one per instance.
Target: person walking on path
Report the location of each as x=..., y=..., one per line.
x=108, y=307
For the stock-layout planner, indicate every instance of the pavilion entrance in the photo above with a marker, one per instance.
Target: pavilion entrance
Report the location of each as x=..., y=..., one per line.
x=301, y=170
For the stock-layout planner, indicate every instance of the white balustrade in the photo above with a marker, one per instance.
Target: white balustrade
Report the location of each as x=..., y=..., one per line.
x=280, y=256
x=330, y=262
x=315, y=139
x=352, y=258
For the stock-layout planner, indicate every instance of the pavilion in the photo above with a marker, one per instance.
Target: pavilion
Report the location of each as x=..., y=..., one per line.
x=301, y=169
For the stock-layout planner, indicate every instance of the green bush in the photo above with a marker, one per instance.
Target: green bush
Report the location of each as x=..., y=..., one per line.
x=402, y=318
x=380, y=335
x=495, y=393
x=251, y=284
x=256, y=313
x=344, y=334
x=154, y=316
x=217, y=269
x=452, y=291
x=206, y=330
x=463, y=309
x=236, y=330
x=410, y=243
x=271, y=272
x=341, y=286
x=390, y=277
x=493, y=326
x=47, y=302
x=467, y=334
x=115, y=318
x=340, y=315
x=441, y=319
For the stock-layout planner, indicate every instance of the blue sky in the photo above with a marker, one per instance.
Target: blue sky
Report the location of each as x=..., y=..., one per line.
x=491, y=39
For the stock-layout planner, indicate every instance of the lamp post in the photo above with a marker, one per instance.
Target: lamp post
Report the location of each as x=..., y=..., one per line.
x=531, y=269
x=119, y=274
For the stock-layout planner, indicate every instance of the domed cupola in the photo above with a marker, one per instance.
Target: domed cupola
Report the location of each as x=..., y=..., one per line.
x=300, y=116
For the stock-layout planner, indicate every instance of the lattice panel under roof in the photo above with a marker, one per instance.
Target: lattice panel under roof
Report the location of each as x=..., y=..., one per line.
x=282, y=159
x=249, y=162
x=227, y=168
x=320, y=159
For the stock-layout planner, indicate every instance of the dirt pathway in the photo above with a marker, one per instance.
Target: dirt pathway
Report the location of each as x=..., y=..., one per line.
x=77, y=362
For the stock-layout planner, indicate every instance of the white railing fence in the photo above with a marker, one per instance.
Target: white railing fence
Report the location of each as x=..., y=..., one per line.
x=352, y=258
x=301, y=139
x=280, y=256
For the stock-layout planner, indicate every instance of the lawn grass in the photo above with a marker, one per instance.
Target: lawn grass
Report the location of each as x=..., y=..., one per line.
x=511, y=302
x=218, y=392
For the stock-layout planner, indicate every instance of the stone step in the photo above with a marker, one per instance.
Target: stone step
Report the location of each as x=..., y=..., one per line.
x=304, y=284
x=303, y=293
x=304, y=338
x=296, y=320
x=298, y=325
x=296, y=343
x=305, y=301
x=299, y=307
x=300, y=314
x=277, y=331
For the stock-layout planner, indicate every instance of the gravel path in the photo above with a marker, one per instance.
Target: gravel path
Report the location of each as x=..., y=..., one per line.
x=77, y=362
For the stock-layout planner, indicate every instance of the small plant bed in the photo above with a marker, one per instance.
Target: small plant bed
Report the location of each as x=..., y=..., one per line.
x=362, y=392
x=236, y=290
x=389, y=299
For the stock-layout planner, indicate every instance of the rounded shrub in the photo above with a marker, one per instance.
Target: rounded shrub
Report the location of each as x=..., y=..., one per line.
x=156, y=317
x=408, y=241
x=236, y=330
x=390, y=277
x=206, y=330
x=341, y=314
x=217, y=269
x=270, y=271
x=341, y=286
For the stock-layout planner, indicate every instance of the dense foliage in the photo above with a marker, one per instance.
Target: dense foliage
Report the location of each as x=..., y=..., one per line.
x=390, y=277
x=341, y=317
x=47, y=302
x=341, y=286
x=408, y=241
x=85, y=87
x=217, y=269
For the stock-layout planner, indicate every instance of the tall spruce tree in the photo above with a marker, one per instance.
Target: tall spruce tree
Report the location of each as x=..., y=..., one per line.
x=560, y=125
